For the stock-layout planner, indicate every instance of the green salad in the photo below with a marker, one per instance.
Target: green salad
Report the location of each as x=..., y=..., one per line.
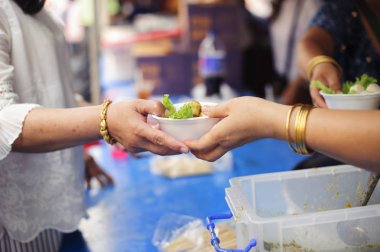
x=362, y=85
x=188, y=110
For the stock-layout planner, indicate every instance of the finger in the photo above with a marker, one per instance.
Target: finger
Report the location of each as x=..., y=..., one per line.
x=136, y=150
x=162, y=139
x=151, y=121
x=147, y=145
x=150, y=107
x=160, y=150
x=334, y=83
x=212, y=154
x=317, y=98
x=206, y=142
x=218, y=111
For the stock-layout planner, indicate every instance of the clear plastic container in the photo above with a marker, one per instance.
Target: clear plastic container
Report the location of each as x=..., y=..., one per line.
x=305, y=211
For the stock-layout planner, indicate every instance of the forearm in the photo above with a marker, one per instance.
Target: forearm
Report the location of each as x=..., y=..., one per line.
x=316, y=41
x=48, y=129
x=349, y=136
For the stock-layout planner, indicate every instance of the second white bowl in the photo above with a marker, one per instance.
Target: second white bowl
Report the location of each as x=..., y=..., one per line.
x=352, y=101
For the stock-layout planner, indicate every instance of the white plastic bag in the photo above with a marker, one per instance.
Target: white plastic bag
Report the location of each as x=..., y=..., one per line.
x=180, y=233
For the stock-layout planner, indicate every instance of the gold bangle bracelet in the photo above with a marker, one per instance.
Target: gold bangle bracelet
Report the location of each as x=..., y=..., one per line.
x=287, y=126
x=300, y=129
x=103, y=123
x=318, y=60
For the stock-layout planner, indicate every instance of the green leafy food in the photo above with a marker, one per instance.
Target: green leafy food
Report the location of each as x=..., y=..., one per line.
x=347, y=86
x=364, y=81
x=184, y=112
x=168, y=105
x=322, y=87
x=189, y=110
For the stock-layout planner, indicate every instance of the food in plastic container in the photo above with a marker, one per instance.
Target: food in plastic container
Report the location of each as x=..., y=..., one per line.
x=305, y=210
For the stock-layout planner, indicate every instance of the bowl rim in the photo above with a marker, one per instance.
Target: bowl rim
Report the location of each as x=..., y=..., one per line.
x=181, y=120
x=187, y=119
x=349, y=95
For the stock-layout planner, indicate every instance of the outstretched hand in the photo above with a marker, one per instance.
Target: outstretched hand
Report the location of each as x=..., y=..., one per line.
x=244, y=119
x=127, y=122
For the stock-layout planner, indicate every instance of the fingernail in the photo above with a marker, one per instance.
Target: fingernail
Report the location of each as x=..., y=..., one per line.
x=205, y=109
x=155, y=126
x=184, y=149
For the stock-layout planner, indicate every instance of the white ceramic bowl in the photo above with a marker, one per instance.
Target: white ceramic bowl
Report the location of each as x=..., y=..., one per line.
x=187, y=129
x=352, y=101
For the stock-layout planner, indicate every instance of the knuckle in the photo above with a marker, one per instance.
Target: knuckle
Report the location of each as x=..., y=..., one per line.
x=156, y=105
x=137, y=130
x=223, y=140
x=158, y=139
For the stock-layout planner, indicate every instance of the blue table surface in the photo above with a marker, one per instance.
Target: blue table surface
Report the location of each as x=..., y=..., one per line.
x=124, y=217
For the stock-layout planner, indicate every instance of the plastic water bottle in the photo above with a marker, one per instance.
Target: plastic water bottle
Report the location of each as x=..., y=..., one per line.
x=211, y=63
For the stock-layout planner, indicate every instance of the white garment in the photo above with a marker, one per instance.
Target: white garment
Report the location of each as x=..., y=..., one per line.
x=47, y=241
x=280, y=31
x=37, y=191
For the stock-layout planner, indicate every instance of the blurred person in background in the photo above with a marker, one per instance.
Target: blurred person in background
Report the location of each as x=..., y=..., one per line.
x=78, y=17
x=41, y=157
x=258, y=66
x=287, y=20
x=129, y=9
x=347, y=32
x=76, y=34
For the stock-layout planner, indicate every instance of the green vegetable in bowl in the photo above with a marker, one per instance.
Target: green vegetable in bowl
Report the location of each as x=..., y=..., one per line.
x=322, y=87
x=170, y=109
x=363, y=81
x=189, y=110
x=364, y=84
x=183, y=112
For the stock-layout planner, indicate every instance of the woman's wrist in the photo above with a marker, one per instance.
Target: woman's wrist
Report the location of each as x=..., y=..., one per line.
x=274, y=120
x=320, y=59
x=281, y=121
x=104, y=129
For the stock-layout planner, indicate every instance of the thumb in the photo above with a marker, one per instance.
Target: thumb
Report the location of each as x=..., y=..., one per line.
x=334, y=82
x=218, y=111
x=150, y=107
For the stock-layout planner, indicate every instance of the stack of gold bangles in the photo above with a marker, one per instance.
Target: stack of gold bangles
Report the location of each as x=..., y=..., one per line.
x=103, y=123
x=300, y=129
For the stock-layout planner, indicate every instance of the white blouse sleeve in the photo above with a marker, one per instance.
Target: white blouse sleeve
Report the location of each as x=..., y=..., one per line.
x=12, y=115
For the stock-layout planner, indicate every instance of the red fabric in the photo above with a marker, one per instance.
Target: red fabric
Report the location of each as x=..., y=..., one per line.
x=88, y=145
